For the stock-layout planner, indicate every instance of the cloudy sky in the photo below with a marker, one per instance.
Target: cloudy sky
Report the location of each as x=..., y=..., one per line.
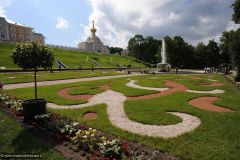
x=67, y=22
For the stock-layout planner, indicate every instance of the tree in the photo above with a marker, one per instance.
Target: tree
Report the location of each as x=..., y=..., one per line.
x=230, y=42
x=114, y=50
x=144, y=49
x=136, y=46
x=33, y=56
x=212, y=54
x=151, y=47
x=200, y=55
x=179, y=53
x=236, y=10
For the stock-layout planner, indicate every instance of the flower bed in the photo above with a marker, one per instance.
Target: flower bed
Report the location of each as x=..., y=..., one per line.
x=11, y=103
x=76, y=141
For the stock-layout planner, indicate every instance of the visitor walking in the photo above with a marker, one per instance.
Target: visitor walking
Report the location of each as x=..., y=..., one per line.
x=176, y=70
x=1, y=85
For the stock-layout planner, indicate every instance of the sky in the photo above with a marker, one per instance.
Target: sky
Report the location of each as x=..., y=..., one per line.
x=67, y=22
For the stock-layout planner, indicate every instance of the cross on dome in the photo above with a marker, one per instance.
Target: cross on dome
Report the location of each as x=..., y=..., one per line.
x=93, y=29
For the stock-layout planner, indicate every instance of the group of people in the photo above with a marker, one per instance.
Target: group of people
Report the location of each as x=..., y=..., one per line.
x=209, y=70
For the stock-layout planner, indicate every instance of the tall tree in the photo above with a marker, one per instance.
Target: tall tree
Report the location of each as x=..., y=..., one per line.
x=231, y=44
x=212, y=54
x=136, y=46
x=179, y=53
x=150, y=49
x=200, y=56
x=236, y=10
x=114, y=50
x=144, y=49
x=33, y=56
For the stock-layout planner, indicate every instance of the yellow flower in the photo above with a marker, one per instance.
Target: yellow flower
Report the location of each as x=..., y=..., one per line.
x=94, y=131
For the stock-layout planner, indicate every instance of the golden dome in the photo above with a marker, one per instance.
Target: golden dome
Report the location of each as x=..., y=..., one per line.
x=93, y=29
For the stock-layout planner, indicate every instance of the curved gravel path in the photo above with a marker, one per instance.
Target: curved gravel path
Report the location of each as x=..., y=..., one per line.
x=133, y=85
x=213, y=84
x=215, y=91
x=173, y=85
x=115, y=109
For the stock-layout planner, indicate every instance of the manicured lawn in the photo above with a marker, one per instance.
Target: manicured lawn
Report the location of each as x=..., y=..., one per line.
x=50, y=92
x=216, y=138
x=15, y=139
x=9, y=78
x=73, y=59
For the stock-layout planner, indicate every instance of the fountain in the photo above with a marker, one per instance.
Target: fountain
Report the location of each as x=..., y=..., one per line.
x=164, y=66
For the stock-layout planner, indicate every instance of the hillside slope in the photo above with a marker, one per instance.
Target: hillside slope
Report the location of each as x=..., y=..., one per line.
x=73, y=59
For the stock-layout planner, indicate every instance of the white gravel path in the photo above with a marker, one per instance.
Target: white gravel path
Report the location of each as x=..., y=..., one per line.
x=215, y=91
x=133, y=85
x=115, y=109
x=212, y=80
x=48, y=83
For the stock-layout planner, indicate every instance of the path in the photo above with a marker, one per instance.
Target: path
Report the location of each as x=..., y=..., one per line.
x=199, y=102
x=48, y=83
x=115, y=110
x=132, y=84
x=173, y=87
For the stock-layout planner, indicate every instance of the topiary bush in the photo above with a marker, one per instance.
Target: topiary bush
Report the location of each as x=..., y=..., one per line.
x=33, y=56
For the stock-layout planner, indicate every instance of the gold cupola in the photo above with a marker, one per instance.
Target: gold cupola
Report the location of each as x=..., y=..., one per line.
x=93, y=29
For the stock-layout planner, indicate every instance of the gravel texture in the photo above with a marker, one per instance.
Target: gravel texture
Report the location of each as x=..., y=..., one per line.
x=133, y=85
x=215, y=91
x=115, y=109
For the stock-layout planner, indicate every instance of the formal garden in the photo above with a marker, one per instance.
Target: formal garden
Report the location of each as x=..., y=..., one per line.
x=115, y=114
x=108, y=112
x=149, y=116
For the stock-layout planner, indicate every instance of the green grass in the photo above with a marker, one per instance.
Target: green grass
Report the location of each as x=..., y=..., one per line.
x=216, y=138
x=9, y=78
x=15, y=139
x=73, y=59
x=50, y=92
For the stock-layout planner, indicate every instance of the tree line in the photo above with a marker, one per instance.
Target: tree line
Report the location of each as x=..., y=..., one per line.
x=181, y=54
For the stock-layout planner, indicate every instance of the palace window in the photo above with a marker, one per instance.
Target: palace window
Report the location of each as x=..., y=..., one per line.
x=2, y=35
x=13, y=29
x=28, y=38
x=2, y=28
x=13, y=36
x=21, y=38
x=20, y=30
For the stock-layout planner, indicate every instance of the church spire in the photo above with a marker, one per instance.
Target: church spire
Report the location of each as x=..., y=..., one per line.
x=93, y=29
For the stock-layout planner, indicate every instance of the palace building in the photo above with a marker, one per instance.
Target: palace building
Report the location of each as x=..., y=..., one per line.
x=15, y=32
x=93, y=43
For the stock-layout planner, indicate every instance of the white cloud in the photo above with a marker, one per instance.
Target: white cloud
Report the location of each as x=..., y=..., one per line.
x=2, y=12
x=62, y=23
x=3, y=5
x=195, y=21
x=232, y=26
